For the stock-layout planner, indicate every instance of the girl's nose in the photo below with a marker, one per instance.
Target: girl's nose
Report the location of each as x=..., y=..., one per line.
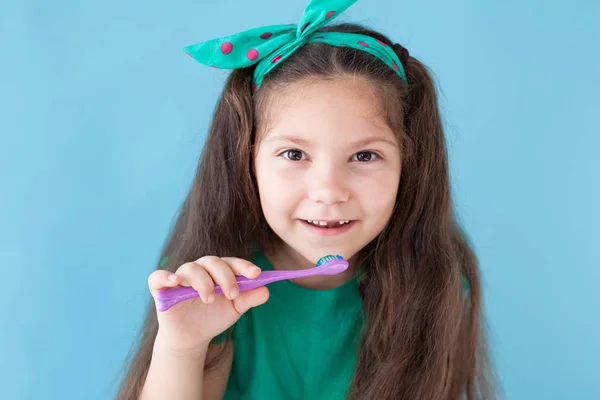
x=328, y=186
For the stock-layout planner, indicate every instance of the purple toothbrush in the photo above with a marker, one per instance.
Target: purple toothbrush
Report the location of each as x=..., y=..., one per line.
x=328, y=265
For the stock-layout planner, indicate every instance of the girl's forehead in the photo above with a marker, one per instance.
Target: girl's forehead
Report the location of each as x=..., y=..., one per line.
x=325, y=107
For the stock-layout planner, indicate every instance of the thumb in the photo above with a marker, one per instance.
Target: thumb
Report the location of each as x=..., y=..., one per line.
x=251, y=298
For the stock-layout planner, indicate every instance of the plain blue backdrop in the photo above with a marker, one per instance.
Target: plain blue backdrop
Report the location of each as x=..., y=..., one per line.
x=102, y=119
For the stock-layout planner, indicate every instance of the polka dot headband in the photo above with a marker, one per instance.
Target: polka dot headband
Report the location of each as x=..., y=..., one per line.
x=268, y=46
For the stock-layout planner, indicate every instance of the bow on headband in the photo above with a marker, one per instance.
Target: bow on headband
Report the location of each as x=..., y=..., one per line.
x=270, y=45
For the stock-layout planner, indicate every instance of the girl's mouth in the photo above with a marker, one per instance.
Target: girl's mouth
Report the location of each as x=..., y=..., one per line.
x=328, y=228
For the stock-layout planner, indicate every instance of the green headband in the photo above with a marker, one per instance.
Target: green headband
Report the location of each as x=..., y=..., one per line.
x=270, y=45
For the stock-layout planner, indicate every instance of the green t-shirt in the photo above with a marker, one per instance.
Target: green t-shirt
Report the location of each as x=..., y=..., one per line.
x=300, y=344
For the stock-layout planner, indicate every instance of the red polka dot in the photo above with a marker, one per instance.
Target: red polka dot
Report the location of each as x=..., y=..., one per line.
x=266, y=35
x=363, y=44
x=395, y=66
x=304, y=26
x=381, y=43
x=275, y=59
x=330, y=14
x=226, y=47
x=252, y=54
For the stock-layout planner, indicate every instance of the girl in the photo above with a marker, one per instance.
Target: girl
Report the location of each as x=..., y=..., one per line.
x=326, y=140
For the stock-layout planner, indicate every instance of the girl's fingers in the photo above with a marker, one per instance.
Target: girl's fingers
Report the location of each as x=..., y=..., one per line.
x=222, y=274
x=242, y=267
x=161, y=279
x=192, y=274
x=251, y=298
x=203, y=274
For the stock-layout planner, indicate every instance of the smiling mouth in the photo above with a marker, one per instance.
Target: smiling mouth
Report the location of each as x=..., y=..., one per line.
x=328, y=227
x=327, y=224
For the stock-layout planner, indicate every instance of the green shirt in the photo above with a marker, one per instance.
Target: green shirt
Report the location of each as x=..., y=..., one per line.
x=300, y=344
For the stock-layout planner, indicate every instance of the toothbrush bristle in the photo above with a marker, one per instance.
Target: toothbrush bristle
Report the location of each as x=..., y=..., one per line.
x=328, y=258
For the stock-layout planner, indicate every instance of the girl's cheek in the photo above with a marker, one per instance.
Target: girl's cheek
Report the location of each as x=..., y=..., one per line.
x=376, y=184
x=283, y=182
x=288, y=174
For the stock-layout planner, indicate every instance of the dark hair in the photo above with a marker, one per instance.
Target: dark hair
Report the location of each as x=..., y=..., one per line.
x=424, y=341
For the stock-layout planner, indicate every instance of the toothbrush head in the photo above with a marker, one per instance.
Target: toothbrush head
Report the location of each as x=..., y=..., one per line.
x=332, y=265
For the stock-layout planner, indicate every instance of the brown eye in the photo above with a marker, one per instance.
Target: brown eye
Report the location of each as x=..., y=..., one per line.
x=293, y=155
x=365, y=156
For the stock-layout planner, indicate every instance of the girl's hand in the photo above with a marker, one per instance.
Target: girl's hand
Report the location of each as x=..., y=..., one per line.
x=191, y=324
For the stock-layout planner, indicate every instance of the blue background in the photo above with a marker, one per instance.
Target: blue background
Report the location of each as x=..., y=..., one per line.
x=102, y=118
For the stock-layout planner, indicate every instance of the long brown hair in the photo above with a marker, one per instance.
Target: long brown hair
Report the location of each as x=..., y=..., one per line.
x=424, y=336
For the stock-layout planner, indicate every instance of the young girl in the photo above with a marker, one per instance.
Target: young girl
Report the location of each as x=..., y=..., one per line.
x=327, y=139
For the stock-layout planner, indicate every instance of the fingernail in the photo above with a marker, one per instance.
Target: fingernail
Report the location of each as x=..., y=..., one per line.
x=210, y=298
x=234, y=293
x=172, y=277
x=253, y=269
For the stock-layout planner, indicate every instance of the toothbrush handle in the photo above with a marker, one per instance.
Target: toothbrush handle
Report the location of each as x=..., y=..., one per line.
x=168, y=298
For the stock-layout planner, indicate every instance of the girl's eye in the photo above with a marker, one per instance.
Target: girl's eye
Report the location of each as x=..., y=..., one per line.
x=364, y=156
x=293, y=155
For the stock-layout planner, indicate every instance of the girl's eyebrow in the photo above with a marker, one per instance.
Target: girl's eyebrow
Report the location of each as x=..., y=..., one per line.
x=368, y=141
x=305, y=142
x=288, y=138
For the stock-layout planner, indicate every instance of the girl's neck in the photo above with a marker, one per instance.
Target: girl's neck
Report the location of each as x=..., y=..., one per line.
x=286, y=258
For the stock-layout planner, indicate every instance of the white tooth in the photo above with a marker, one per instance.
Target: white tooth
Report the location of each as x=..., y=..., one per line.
x=322, y=223
x=309, y=221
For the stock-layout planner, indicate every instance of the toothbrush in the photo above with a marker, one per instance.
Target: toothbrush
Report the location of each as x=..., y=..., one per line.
x=328, y=265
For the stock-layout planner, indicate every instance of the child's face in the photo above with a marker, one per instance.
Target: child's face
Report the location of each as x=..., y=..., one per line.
x=327, y=155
